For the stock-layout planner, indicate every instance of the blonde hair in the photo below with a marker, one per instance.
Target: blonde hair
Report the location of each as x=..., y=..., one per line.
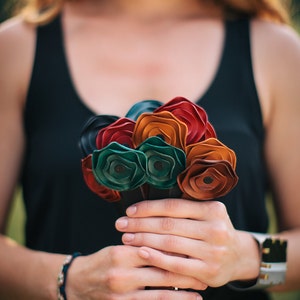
x=42, y=11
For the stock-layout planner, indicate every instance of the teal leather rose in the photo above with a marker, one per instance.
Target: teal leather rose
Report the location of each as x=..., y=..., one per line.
x=145, y=106
x=164, y=162
x=89, y=178
x=119, y=167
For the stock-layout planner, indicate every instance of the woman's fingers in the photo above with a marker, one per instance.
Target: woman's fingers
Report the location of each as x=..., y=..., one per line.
x=151, y=294
x=177, y=208
x=198, y=269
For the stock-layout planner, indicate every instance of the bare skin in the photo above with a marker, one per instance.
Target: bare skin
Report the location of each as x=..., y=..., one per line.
x=152, y=43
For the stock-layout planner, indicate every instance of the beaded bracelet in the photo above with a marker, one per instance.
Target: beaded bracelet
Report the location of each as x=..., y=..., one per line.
x=62, y=276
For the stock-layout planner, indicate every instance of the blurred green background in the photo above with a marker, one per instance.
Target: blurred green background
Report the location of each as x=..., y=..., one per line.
x=17, y=216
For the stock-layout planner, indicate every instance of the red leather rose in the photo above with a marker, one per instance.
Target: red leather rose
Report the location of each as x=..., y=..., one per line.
x=120, y=131
x=193, y=116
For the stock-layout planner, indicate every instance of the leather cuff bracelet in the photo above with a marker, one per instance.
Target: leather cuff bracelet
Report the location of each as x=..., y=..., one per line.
x=273, y=263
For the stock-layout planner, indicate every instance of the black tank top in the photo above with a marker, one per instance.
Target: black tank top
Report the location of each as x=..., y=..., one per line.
x=63, y=216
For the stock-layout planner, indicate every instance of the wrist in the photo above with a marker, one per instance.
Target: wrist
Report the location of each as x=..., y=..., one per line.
x=63, y=275
x=248, y=266
x=272, y=266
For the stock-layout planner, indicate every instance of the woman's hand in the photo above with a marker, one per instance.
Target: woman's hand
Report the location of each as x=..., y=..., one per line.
x=119, y=272
x=190, y=238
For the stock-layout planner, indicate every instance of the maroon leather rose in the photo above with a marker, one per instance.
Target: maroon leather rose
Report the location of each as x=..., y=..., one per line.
x=89, y=178
x=207, y=180
x=120, y=131
x=193, y=116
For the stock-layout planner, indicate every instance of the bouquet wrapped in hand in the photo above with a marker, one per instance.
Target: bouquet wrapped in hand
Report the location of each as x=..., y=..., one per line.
x=156, y=151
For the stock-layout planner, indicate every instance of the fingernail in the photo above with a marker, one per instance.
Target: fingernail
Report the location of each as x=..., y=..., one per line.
x=122, y=223
x=131, y=210
x=128, y=237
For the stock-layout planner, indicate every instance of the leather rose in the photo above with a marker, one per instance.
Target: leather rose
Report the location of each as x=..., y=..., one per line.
x=120, y=131
x=207, y=179
x=89, y=178
x=164, y=162
x=145, y=106
x=210, y=149
x=163, y=124
x=87, y=140
x=194, y=116
x=119, y=167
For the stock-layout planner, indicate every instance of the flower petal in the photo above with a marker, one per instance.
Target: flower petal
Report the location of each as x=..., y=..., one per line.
x=119, y=167
x=142, y=107
x=87, y=140
x=207, y=180
x=89, y=178
x=163, y=124
x=120, y=131
x=193, y=115
x=210, y=149
x=164, y=162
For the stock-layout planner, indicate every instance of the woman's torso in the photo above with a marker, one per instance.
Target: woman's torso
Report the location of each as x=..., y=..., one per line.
x=63, y=215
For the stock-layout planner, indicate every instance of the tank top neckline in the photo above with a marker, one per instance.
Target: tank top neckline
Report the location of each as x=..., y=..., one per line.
x=199, y=100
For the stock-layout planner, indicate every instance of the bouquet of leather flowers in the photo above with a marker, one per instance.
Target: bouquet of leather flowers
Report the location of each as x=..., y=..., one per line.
x=156, y=151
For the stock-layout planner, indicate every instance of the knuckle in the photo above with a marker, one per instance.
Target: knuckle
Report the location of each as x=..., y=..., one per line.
x=219, y=231
x=167, y=224
x=212, y=272
x=218, y=209
x=171, y=205
x=112, y=280
x=116, y=254
x=170, y=242
x=218, y=254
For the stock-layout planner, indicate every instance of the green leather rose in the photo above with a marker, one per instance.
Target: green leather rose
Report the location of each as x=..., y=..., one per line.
x=164, y=162
x=119, y=167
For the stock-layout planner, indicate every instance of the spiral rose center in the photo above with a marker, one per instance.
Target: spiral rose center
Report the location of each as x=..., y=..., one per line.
x=158, y=165
x=119, y=169
x=208, y=180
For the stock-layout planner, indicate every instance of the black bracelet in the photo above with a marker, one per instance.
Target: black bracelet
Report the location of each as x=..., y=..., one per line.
x=62, y=276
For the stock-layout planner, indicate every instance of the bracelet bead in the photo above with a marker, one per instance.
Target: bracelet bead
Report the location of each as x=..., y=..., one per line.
x=62, y=276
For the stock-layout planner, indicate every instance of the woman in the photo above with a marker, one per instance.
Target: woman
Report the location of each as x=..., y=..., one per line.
x=74, y=59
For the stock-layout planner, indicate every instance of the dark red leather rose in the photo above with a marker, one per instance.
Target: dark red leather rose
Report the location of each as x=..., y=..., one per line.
x=120, y=131
x=89, y=178
x=193, y=116
x=207, y=180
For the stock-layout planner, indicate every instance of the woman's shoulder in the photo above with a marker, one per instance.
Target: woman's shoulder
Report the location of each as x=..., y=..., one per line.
x=276, y=61
x=272, y=34
x=17, y=47
x=16, y=31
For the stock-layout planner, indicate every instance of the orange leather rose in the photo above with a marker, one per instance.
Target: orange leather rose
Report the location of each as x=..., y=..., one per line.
x=207, y=180
x=163, y=124
x=210, y=149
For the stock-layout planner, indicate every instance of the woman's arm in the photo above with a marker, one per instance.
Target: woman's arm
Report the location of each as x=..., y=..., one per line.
x=277, y=58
